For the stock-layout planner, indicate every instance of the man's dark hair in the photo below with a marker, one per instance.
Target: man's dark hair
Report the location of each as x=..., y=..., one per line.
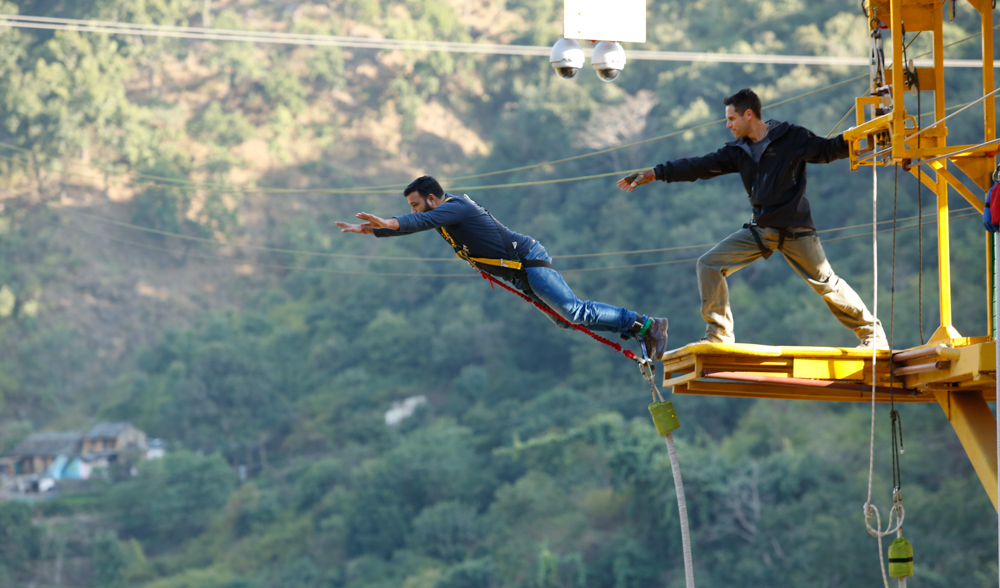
x=743, y=101
x=425, y=186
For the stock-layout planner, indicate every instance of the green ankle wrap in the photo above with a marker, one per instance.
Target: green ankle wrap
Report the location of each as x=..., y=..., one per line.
x=645, y=327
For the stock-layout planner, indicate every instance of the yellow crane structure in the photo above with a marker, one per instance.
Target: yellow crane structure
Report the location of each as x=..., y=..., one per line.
x=957, y=372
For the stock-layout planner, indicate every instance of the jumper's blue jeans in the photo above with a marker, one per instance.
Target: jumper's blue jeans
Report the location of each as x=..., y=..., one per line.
x=547, y=286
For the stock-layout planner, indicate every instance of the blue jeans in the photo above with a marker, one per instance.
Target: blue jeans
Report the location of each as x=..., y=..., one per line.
x=547, y=286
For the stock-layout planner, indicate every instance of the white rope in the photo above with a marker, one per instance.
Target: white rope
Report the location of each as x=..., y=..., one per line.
x=682, y=509
x=869, y=508
x=871, y=448
x=648, y=372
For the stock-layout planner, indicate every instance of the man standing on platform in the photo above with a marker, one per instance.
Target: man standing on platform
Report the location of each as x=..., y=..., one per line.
x=771, y=159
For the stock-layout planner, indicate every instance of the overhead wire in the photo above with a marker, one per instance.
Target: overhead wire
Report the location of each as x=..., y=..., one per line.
x=216, y=242
x=462, y=275
x=270, y=265
x=11, y=20
x=392, y=188
x=360, y=191
x=283, y=38
x=386, y=188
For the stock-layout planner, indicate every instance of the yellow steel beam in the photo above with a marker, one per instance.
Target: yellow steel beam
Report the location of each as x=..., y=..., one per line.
x=791, y=392
x=973, y=365
x=977, y=166
x=961, y=189
x=830, y=369
x=864, y=129
x=927, y=151
x=944, y=253
x=944, y=257
x=926, y=179
x=975, y=425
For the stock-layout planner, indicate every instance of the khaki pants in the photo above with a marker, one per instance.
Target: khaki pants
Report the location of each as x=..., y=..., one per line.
x=803, y=253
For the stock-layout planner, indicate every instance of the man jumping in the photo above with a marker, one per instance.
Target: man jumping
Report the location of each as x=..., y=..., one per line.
x=771, y=159
x=489, y=246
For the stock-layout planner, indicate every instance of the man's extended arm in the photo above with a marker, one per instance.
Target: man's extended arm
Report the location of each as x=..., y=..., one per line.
x=369, y=228
x=448, y=213
x=819, y=149
x=697, y=168
x=685, y=170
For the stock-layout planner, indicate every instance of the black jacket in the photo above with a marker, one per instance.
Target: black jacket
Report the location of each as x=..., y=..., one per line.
x=777, y=184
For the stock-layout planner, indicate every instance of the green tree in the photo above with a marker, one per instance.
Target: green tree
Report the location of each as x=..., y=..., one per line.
x=162, y=206
x=20, y=539
x=447, y=531
x=476, y=573
x=108, y=560
x=172, y=499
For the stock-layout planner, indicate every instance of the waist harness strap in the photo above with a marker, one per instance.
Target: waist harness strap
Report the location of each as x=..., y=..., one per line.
x=503, y=263
x=782, y=234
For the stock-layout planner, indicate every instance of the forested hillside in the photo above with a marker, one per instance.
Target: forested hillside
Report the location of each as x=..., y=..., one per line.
x=168, y=257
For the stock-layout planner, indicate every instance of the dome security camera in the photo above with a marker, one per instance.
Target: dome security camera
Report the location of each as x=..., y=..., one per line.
x=567, y=58
x=608, y=60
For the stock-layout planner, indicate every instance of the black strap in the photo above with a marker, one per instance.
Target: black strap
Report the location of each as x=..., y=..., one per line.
x=536, y=263
x=900, y=559
x=764, y=251
x=782, y=234
x=507, y=243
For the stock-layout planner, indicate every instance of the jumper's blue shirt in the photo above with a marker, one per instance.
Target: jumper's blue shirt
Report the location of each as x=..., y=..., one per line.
x=468, y=224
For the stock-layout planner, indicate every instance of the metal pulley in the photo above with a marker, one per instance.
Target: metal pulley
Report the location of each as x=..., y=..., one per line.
x=876, y=67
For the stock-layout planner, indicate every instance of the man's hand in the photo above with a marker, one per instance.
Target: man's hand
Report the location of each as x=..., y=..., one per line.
x=636, y=179
x=369, y=227
x=365, y=229
x=379, y=223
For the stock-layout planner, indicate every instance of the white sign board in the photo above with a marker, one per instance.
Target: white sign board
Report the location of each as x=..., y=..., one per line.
x=605, y=20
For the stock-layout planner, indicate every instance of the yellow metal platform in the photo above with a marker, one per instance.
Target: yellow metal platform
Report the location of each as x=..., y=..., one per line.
x=832, y=373
x=958, y=374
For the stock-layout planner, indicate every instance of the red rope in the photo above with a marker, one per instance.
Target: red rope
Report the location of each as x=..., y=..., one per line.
x=616, y=347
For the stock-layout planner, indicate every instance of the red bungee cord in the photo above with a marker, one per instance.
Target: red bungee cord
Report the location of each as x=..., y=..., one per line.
x=616, y=347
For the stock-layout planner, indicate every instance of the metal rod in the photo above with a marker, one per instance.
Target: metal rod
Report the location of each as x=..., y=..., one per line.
x=923, y=368
x=960, y=151
x=936, y=123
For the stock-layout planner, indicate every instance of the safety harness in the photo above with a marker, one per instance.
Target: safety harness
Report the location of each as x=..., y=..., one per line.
x=782, y=235
x=504, y=268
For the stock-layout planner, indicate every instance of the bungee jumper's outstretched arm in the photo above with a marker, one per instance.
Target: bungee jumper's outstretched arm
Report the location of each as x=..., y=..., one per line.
x=369, y=227
x=492, y=248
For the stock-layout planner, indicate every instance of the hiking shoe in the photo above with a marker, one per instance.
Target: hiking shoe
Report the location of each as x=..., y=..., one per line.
x=655, y=338
x=704, y=341
x=878, y=341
